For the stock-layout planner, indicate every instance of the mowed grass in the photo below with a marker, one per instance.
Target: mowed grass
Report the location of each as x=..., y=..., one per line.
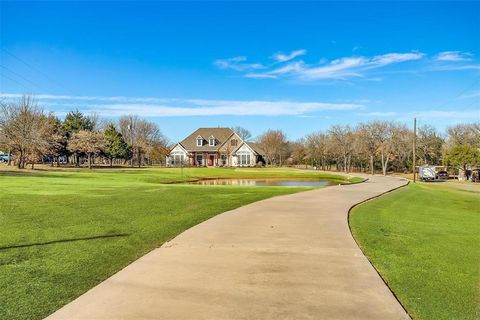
x=64, y=231
x=424, y=240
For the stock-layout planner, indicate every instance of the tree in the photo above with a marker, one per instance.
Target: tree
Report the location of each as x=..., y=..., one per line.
x=88, y=142
x=243, y=133
x=342, y=139
x=115, y=145
x=392, y=141
x=463, y=155
x=76, y=121
x=141, y=135
x=274, y=143
x=429, y=145
x=316, y=146
x=464, y=134
x=298, y=151
x=21, y=123
x=369, y=135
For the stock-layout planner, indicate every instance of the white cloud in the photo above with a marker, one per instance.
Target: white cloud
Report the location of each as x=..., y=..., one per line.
x=342, y=68
x=426, y=115
x=237, y=63
x=282, y=57
x=116, y=106
x=453, y=56
x=346, y=68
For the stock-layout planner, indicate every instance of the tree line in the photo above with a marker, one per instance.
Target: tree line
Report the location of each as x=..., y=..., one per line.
x=32, y=136
x=375, y=145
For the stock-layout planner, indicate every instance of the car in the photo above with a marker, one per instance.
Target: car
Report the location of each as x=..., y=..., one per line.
x=442, y=175
x=4, y=158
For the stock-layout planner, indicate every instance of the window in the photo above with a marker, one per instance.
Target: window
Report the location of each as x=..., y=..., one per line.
x=243, y=158
x=178, y=158
x=211, y=141
x=223, y=159
x=199, y=142
x=233, y=142
x=199, y=160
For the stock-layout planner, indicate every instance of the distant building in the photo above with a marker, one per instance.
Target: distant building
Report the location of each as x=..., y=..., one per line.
x=215, y=147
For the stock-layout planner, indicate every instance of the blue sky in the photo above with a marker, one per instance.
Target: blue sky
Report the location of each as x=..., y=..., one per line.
x=297, y=66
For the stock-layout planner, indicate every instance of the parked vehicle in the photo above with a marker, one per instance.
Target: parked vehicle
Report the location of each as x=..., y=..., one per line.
x=427, y=173
x=4, y=157
x=442, y=175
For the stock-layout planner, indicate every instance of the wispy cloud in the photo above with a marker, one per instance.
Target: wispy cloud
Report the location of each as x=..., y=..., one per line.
x=347, y=68
x=465, y=114
x=158, y=107
x=343, y=68
x=339, y=69
x=282, y=57
x=237, y=63
x=453, y=56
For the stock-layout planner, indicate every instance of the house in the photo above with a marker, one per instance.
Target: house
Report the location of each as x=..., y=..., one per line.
x=215, y=147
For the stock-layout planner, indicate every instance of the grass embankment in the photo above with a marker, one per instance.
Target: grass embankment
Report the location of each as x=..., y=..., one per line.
x=424, y=240
x=64, y=231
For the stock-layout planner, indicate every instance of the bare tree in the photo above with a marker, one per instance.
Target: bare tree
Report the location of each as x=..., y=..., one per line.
x=465, y=133
x=243, y=133
x=274, y=143
x=369, y=139
x=141, y=135
x=429, y=144
x=21, y=123
x=316, y=147
x=88, y=142
x=342, y=139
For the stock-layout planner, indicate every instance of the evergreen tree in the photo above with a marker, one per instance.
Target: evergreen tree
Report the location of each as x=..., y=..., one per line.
x=115, y=145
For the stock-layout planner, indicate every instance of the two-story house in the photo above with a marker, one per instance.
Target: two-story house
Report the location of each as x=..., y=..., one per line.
x=215, y=147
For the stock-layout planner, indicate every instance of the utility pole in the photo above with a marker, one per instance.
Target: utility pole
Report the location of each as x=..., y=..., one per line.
x=414, y=147
x=130, y=127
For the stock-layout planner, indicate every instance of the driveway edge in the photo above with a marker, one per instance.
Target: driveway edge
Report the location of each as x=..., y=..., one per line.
x=358, y=245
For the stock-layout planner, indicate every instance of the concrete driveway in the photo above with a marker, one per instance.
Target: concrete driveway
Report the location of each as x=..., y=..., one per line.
x=288, y=257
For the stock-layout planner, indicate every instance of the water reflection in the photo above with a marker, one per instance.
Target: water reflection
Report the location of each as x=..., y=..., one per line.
x=264, y=182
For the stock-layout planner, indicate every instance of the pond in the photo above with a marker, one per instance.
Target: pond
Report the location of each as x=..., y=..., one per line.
x=265, y=182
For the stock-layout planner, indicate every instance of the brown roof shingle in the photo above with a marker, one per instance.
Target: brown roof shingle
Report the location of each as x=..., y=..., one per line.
x=220, y=134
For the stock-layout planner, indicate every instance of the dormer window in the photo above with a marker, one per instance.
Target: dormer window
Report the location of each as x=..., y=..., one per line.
x=211, y=141
x=199, y=141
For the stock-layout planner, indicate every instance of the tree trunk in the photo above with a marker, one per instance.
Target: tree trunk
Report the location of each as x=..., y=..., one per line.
x=33, y=165
x=345, y=160
x=384, y=164
x=371, y=165
x=9, y=157
x=20, y=160
x=111, y=162
x=89, y=161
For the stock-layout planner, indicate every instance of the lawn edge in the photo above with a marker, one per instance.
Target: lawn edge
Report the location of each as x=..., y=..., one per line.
x=360, y=247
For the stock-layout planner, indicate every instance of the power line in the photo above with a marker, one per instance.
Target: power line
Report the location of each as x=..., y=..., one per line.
x=20, y=76
x=46, y=76
x=17, y=82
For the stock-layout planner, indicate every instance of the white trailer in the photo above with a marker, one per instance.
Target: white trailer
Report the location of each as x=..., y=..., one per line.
x=427, y=173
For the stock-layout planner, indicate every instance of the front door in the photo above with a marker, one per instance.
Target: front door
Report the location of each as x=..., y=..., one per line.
x=211, y=159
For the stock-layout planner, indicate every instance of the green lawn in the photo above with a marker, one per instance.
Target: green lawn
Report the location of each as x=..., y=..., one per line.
x=425, y=241
x=64, y=231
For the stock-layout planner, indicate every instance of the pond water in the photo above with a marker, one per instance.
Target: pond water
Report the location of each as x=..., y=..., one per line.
x=265, y=182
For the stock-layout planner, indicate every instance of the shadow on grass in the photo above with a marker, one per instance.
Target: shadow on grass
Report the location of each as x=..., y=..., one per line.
x=106, y=236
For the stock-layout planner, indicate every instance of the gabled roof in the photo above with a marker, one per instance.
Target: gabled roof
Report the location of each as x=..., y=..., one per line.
x=254, y=146
x=220, y=134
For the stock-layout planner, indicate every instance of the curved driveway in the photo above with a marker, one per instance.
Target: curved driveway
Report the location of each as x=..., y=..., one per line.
x=288, y=257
